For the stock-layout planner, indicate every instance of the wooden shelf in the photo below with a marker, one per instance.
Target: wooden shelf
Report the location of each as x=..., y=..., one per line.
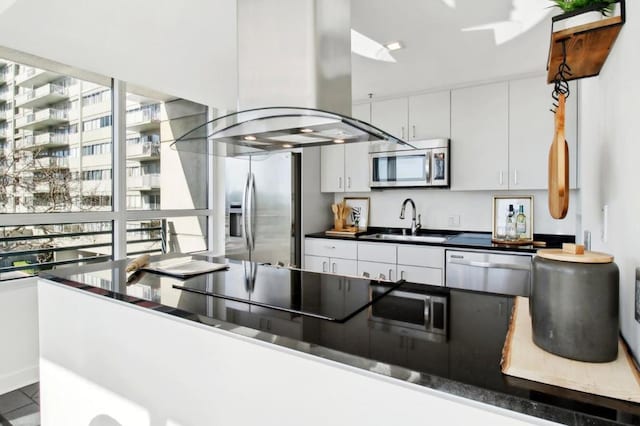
x=587, y=47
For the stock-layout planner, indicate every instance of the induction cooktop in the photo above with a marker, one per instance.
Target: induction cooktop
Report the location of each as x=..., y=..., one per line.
x=324, y=296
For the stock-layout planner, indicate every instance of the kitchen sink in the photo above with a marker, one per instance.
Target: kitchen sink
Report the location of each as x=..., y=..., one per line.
x=398, y=237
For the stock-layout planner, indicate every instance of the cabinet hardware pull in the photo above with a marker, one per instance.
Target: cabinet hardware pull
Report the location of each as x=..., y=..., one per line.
x=349, y=182
x=333, y=268
x=414, y=131
x=390, y=279
x=348, y=285
x=501, y=177
x=402, y=275
x=515, y=176
x=402, y=132
x=324, y=266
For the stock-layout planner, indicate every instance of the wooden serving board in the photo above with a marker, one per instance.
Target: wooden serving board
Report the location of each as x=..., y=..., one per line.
x=587, y=257
x=347, y=232
x=522, y=358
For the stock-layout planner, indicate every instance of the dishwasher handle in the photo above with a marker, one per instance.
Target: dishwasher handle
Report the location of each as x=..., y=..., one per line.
x=486, y=265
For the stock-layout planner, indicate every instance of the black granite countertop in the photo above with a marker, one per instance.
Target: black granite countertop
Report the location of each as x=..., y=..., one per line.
x=456, y=239
x=464, y=362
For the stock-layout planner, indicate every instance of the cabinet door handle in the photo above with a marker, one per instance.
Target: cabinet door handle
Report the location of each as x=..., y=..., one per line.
x=390, y=279
x=402, y=275
x=348, y=285
x=324, y=266
x=333, y=267
x=515, y=176
x=413, y=128
x=340, y=182
x=402, y=132
x=501, y=177
x=349, y=182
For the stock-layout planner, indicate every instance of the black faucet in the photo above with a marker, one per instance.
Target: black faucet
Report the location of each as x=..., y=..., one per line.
x=414, y=226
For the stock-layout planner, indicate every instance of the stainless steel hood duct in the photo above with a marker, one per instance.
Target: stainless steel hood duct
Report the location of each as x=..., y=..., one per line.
x=295, y=53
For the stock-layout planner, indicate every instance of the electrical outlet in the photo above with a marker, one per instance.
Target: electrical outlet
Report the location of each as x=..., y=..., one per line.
x=637, y=304
x=454, y=220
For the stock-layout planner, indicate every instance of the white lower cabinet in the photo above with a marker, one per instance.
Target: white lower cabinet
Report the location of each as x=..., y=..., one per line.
x=412, y=263
x=421, y=264
x=331, y=265
x=375, y=270
x=420, y=275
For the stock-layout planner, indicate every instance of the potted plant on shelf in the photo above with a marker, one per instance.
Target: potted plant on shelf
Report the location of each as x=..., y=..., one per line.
x=579, y=12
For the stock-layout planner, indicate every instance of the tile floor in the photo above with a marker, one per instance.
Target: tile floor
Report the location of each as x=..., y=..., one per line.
x=21, y=407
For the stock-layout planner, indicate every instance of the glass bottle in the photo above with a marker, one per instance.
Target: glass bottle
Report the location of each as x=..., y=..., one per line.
x=511, y=224
x=521, y=223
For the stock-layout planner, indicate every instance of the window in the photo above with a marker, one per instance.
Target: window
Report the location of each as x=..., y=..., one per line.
x=97, y=149
x=97, y=123
x=56, y=158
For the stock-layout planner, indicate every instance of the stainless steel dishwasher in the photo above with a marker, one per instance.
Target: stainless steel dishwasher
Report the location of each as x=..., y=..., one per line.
x=490, y=271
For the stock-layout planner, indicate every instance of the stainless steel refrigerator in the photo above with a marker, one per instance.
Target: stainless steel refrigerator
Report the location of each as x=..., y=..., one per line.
x=262, y=220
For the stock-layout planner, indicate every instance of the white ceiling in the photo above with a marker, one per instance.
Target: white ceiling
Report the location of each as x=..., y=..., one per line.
x=437, y=53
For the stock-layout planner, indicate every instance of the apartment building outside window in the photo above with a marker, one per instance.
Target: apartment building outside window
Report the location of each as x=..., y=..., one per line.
x=58, y=176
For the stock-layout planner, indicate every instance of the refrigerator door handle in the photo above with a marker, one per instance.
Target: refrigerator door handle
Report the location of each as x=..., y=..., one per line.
x=245, y=221
x=251, y=210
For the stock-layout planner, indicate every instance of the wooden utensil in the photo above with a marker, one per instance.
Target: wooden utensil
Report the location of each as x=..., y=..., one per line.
x=559, y=166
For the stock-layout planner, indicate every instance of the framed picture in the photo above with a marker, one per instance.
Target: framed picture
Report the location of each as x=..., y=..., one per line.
x=359, y=214
x=512, y=219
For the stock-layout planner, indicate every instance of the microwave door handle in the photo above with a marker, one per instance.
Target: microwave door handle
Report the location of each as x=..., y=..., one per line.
x=427, y=166
x=427, y=312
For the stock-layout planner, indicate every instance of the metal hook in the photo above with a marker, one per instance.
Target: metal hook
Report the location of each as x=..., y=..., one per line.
x=561, y=85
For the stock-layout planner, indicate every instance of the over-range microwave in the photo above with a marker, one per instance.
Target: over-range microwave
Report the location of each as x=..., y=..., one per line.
x=427, y=164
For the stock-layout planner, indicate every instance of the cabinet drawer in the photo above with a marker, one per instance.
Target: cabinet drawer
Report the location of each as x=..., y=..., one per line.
x=377, y=252
x=378, y=270
x=316, y=263
x=415, y=274
x=432, y=257
x=330, y=248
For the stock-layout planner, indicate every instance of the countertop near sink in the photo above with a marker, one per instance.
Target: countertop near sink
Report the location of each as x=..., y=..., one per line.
x=457, y=239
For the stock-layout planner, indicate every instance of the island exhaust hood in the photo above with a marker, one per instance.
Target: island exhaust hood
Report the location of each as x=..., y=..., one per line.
x=290, y=52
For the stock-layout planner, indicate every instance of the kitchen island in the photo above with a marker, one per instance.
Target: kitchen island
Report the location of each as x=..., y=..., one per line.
x=149, y=352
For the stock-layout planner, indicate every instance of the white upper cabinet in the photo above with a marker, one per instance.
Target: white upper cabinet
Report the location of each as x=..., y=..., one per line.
x=480, y=137
x=392, y=116
x=332, y=168
x=425, y=116
x=345, y=168
x=531, y=130
x=430, y=116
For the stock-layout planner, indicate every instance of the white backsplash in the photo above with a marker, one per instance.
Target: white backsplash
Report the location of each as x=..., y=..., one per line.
x=474, y=209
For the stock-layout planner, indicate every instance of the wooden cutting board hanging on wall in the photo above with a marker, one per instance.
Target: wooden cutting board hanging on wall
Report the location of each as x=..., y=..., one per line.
x=559, y=166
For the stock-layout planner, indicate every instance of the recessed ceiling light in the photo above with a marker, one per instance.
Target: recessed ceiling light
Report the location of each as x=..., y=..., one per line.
x=338, y=141
x=287, y=145
x=394, y=45
x=249, y=138
x=306, y=130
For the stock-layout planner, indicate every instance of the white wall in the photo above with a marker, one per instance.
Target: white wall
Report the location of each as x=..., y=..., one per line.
x=18, y=334
x=185, y=49
x=473, y=207
x=611, y=172
x=183, y=373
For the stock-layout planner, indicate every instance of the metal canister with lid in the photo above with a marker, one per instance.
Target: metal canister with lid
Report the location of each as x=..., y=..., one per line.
x=574, y=304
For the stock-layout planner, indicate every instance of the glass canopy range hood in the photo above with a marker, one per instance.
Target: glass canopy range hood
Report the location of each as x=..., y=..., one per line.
x=265, y=130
